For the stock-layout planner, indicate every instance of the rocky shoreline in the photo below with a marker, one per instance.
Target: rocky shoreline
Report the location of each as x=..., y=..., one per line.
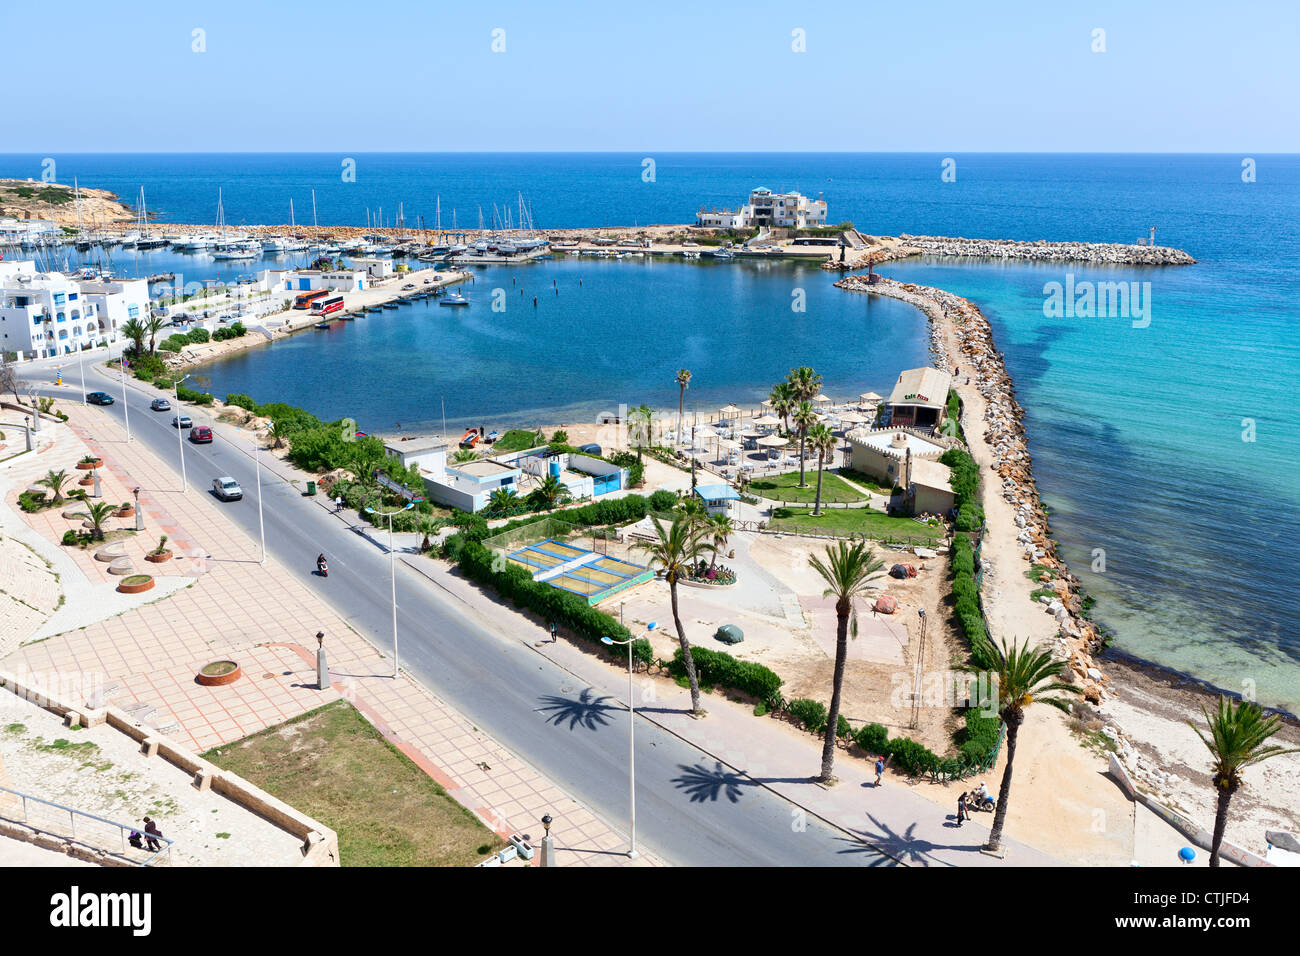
x=1004, y=433
x=1042, y=250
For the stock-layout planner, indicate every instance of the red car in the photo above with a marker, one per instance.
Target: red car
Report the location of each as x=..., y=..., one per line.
x=201, y=435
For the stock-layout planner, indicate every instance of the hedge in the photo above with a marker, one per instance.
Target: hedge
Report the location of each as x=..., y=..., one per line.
x=720, y=669
x=190, y=395
x=811, y=714
x=516, y=585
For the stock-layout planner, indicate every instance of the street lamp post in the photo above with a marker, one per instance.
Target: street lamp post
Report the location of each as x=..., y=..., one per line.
x=261, y=527
x=180, y=445
x=392, y=572
x=631, y=744
x=126, y=412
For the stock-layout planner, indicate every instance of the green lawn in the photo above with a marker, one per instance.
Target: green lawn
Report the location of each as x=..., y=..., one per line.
x=517, y=439
x=332, y=764
x=864, y=521
x=786, y=487
x=866, y=481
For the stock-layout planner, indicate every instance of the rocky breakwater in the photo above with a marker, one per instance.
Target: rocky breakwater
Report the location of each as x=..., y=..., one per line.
x=1042, y=250
x=957, y=323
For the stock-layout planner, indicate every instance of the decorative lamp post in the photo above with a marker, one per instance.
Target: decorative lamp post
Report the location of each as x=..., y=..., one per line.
x=631, y=743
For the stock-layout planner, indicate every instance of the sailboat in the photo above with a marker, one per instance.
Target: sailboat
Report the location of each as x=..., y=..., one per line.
x=147, y=241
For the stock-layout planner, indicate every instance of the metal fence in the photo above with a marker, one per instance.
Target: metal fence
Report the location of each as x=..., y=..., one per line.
x=77, y=826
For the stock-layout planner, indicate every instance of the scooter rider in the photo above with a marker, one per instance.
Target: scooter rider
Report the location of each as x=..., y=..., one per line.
x=321, y=566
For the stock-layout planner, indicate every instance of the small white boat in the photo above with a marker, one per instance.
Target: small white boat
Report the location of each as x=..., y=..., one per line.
x=453, y=298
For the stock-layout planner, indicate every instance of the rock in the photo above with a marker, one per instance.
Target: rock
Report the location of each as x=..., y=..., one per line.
x=1094, y=673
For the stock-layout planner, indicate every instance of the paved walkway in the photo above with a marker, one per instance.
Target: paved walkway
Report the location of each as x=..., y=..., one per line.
x=146, y=658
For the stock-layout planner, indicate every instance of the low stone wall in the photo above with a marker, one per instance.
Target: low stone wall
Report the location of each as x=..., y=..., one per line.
x=1193, y=831
x=319, y=842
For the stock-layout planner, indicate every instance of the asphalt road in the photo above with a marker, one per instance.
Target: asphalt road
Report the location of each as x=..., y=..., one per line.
x=690, y=809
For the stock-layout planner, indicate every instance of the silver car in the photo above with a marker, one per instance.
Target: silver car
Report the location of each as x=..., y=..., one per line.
x=227, y=489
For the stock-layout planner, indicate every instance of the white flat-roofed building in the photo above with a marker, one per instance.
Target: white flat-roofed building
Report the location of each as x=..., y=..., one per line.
x=117, y=301
x=376, y=268
x=790, y=210
x=43, y=315
x=309, y=280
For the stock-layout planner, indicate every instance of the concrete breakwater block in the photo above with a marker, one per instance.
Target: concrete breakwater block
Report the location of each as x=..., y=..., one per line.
x=111, y=552
x=121, y=566
x=74, y=514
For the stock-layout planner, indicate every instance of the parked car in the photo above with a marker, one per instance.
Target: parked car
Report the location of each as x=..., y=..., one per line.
x=202, y=435
x=100, y=398
x=181, y=421
x=227, y=489
x=160, y=405
x=589, y=449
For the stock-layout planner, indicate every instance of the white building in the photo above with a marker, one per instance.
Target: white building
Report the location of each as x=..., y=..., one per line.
x=308, y=280
x=43, y=315
x=765, y=208
x=376, y=268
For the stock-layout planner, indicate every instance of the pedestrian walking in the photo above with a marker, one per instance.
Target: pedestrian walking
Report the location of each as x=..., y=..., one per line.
x=555, y=632
x=962, y=814
x=880, y=769
x=338, y=503
x=151, y=831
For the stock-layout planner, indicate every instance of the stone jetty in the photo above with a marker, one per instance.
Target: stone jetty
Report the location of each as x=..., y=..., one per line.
x=1044, y=251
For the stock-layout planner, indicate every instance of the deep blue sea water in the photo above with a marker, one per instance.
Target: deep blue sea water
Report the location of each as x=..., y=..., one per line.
x=1138, y=435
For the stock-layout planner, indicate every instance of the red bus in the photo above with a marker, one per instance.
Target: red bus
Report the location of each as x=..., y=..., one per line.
x=304, y=300
x=326, y=306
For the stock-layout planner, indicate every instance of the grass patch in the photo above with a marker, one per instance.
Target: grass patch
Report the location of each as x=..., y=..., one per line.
x=332, y=764
x=1039, y=572
x=867, y=481
x=786, y=488
x=516, y=439
x=862, y=521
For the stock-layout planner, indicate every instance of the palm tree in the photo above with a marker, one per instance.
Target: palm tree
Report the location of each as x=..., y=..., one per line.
x=133, y=330
x=680, y=547
x=719, y=528
x=683, y=383
x=803, y=417
x=427, y=526
x=848, y=572
x=278, y=432
x=782, y=400
x=550, y=490
x=500, y=501
x=152, y=326
x=805, y=384
x=1238, y=731
x=645, y=415
x=822, y=441
x=98, y=515
x=55, y=481
x=1023, y=677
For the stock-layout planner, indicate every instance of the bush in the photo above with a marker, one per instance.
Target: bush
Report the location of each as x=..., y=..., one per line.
x=663, y=501
x=842, y=728
x=198, y=336
x=145, y=367
x=70, y=537
x=811, y=714
x=872, y=738
x=560, y=436
x=911, y=757
x=163, y=382
x=190, y=395
x=241, y=401
x=31, y=502
x=720, y=669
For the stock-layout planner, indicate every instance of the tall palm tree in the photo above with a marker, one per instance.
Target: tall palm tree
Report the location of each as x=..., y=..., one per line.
x=848, y=572
x=680, y=547
x=782, y=400
x=683, y=383
x=55, y=481
x=1023, y=677
x=133, y=330
x=98, y=515
x=152, y=326
x=822, y=441
x=805, y=384
x=803, y=418
x=1238, y=732
x=643, y=415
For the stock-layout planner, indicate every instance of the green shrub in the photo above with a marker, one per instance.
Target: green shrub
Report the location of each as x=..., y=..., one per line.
x=720, y=669
x=872, y=738
x=145, y=367
x=913, y=758
x=241, y=401
x=811, y=714
x=198, y=336
x=662, y=501
x=237, y=330
x=842, y=728
x=70, y=537
x=190, y=395
x=31, y=502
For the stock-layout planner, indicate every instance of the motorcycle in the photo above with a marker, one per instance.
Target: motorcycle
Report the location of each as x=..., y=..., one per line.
x=323, y=567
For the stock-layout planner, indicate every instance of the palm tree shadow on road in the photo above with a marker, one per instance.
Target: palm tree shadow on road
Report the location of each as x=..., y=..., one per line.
x=587, y=711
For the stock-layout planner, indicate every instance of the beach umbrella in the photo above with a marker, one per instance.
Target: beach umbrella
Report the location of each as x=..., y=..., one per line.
x=822, y=397
x=766, y=403
x=773, y=441
x=728, y=444
x=870, y=397
x=705, y=431
x=767, y=421
x=852, y=418
x=730, y=410
x=750, y=433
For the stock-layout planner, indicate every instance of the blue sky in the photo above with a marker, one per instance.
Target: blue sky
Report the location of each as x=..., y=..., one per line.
x=617, y=75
